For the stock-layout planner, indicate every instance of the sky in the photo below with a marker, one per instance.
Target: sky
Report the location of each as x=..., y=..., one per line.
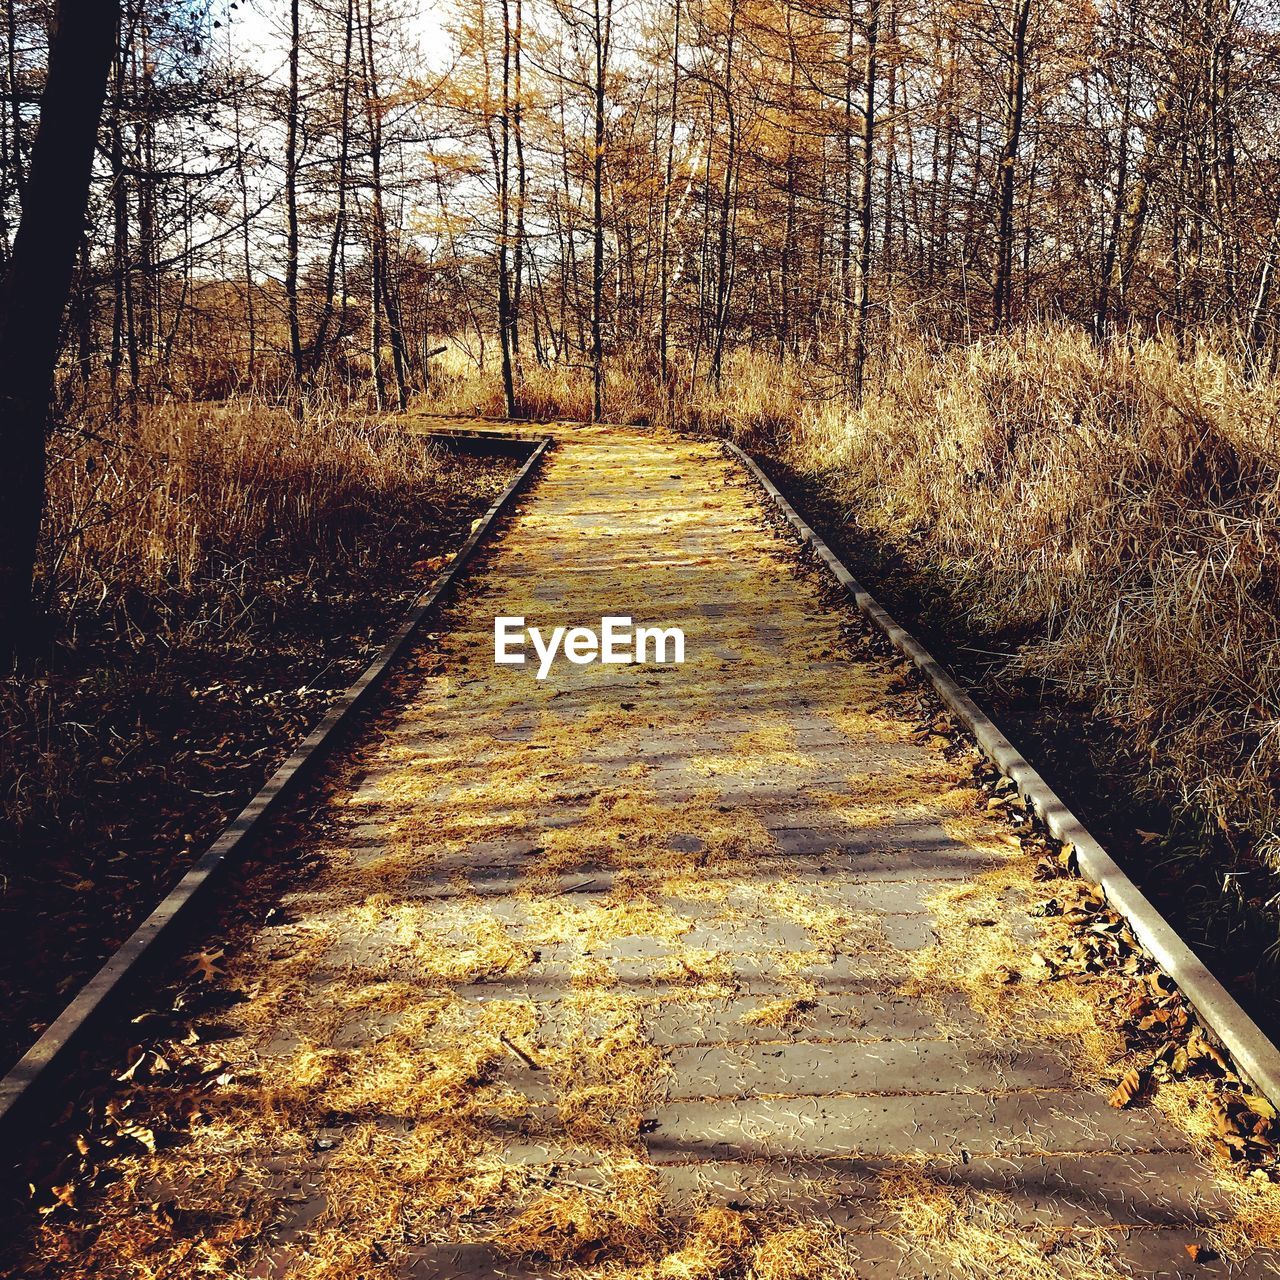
x=258, y=29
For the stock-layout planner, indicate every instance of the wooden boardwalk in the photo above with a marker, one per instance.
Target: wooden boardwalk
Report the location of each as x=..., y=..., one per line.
x=714, y=969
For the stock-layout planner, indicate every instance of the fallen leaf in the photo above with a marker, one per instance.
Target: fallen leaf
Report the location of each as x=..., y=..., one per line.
x=1263, y=1107
x=1129, y=1088
x=207, y=965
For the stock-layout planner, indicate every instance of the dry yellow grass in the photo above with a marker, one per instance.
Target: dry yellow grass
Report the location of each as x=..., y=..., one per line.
x=1115, y=503
x=181, y=538
x=188, y=485
x=979, y=1236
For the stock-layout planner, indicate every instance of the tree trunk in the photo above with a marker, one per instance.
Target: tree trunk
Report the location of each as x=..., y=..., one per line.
x=664, y=250
x=291, y=210
x=887, y=260
x=1002, y=281
x=502, y=165
x=1107, y=281
x=1259, y=314
x=120, y=276
x=785, y=266
x=35, y=287
x=320, y=342
x=863, y=302
x=246, y=246
x=603, y=21
x=726, y=257
x=522, y=179
x=384, y=287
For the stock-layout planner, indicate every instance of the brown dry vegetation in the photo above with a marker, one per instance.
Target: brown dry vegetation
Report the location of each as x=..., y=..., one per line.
x=1101, y=520
x=1119, y=509
x=213, y=575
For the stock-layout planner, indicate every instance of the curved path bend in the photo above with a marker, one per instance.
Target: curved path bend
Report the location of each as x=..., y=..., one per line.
x=714, y=969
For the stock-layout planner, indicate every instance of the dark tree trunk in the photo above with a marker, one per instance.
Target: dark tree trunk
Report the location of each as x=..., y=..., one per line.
x=291, y=213
x=385, y=292
x=522, y=179
x=502, y=165
x=664, y=252
x=1111, y=243
x=862, y=300
x=34, y=292
x=1002, y=280
x=603, y=30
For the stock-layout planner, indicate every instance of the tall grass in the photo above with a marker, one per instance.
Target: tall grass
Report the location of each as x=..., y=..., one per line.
x=189, y=491
x=544, y=392
x=192, y=545
x=1115, y=507
x=1118, y=508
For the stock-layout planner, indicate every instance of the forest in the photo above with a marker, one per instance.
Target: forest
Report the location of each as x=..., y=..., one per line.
x=279, y=193
x=992, y=281
x=326, y=325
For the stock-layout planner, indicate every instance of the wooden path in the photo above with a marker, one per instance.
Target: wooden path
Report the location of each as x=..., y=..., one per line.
x=722, y=969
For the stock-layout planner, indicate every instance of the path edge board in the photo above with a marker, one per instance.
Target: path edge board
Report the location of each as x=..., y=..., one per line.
x=1255, y=1056
x=30, y=1083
